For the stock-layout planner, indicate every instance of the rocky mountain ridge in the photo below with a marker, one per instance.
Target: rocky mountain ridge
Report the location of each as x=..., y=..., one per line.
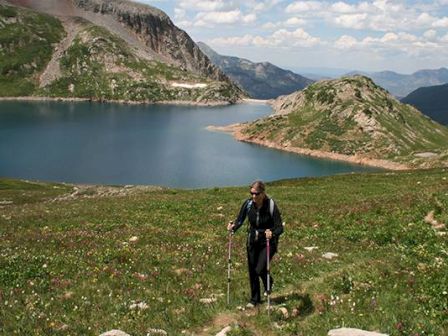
x=260, y=80
x=401, y=85
x=355, y=118
x=157, y=31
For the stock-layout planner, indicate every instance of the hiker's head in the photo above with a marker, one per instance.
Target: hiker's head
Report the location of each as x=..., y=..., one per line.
x=257, y=189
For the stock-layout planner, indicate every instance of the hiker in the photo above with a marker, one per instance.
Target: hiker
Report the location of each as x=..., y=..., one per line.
x=264, y=223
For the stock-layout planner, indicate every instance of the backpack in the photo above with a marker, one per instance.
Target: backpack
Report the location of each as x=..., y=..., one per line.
x=271, y=206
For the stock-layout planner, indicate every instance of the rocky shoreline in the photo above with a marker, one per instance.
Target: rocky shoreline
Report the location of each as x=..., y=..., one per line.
x=256, y=101
x=236, y=131
x=125, y=102
x=130, y=102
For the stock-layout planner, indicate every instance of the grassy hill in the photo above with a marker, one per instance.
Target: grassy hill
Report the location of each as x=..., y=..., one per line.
x=353, y=116
x=69, y=263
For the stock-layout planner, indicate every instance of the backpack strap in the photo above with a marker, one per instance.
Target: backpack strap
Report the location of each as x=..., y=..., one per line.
x=249, y=205
x=271, y=206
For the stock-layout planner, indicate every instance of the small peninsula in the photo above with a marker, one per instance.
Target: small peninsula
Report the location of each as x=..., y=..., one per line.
x=350, y=119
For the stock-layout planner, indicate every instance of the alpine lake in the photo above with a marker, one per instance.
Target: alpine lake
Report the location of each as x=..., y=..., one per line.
x=156, y=144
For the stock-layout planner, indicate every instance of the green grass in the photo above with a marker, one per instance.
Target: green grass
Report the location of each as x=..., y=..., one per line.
x=68, y=267
x=8, y=12
x=27, y=46
x=27, y=192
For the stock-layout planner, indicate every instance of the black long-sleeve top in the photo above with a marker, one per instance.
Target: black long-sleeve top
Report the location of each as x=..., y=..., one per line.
x=260, y=219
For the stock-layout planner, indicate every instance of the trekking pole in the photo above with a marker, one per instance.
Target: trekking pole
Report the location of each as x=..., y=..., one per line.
x=229, y=262
x=268, y=276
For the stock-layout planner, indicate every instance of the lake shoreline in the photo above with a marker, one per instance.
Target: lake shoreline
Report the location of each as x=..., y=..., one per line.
x=123, y=102
x=256, y=101
x=236, y=131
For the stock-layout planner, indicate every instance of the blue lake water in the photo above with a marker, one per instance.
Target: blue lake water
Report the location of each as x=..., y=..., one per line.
x=164, y=145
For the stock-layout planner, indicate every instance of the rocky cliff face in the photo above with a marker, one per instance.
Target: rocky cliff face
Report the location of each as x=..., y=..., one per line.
x=154, y=28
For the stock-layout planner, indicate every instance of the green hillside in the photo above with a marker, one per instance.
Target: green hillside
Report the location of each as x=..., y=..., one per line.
x=78, y=261
x=432, y=101
x=354, y=116
x=26, y=46
x=101, y=66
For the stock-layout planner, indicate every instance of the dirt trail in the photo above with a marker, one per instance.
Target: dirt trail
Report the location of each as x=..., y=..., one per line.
x=314, y=302
x=219, y=322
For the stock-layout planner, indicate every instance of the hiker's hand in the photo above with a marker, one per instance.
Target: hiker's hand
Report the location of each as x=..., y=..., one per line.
x=230, y=226
x=268, y=234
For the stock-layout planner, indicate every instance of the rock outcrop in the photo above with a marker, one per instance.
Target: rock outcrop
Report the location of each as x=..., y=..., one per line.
x=353, y=332
x=115, y=332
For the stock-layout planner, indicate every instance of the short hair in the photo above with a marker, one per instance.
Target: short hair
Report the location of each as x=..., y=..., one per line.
x=259, y=185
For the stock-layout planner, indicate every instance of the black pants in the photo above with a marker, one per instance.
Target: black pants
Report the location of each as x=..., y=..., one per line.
x=257, y=264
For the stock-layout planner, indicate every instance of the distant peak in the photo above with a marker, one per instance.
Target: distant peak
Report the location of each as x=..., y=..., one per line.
x=206, y=48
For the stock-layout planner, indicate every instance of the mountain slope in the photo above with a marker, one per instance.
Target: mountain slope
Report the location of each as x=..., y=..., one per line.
x=401, y=85
x=353, y=117
x=26, y=46
x=120, y=50
x=98, y=64
x=260, y=80
x=432, y=101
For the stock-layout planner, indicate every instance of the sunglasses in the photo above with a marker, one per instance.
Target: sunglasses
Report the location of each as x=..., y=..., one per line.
x=255, y=193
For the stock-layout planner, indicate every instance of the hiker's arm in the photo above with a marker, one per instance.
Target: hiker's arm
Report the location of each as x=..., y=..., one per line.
x=241, y=217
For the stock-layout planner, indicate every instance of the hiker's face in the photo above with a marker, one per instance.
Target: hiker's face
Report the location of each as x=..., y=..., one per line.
x=256, y=194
